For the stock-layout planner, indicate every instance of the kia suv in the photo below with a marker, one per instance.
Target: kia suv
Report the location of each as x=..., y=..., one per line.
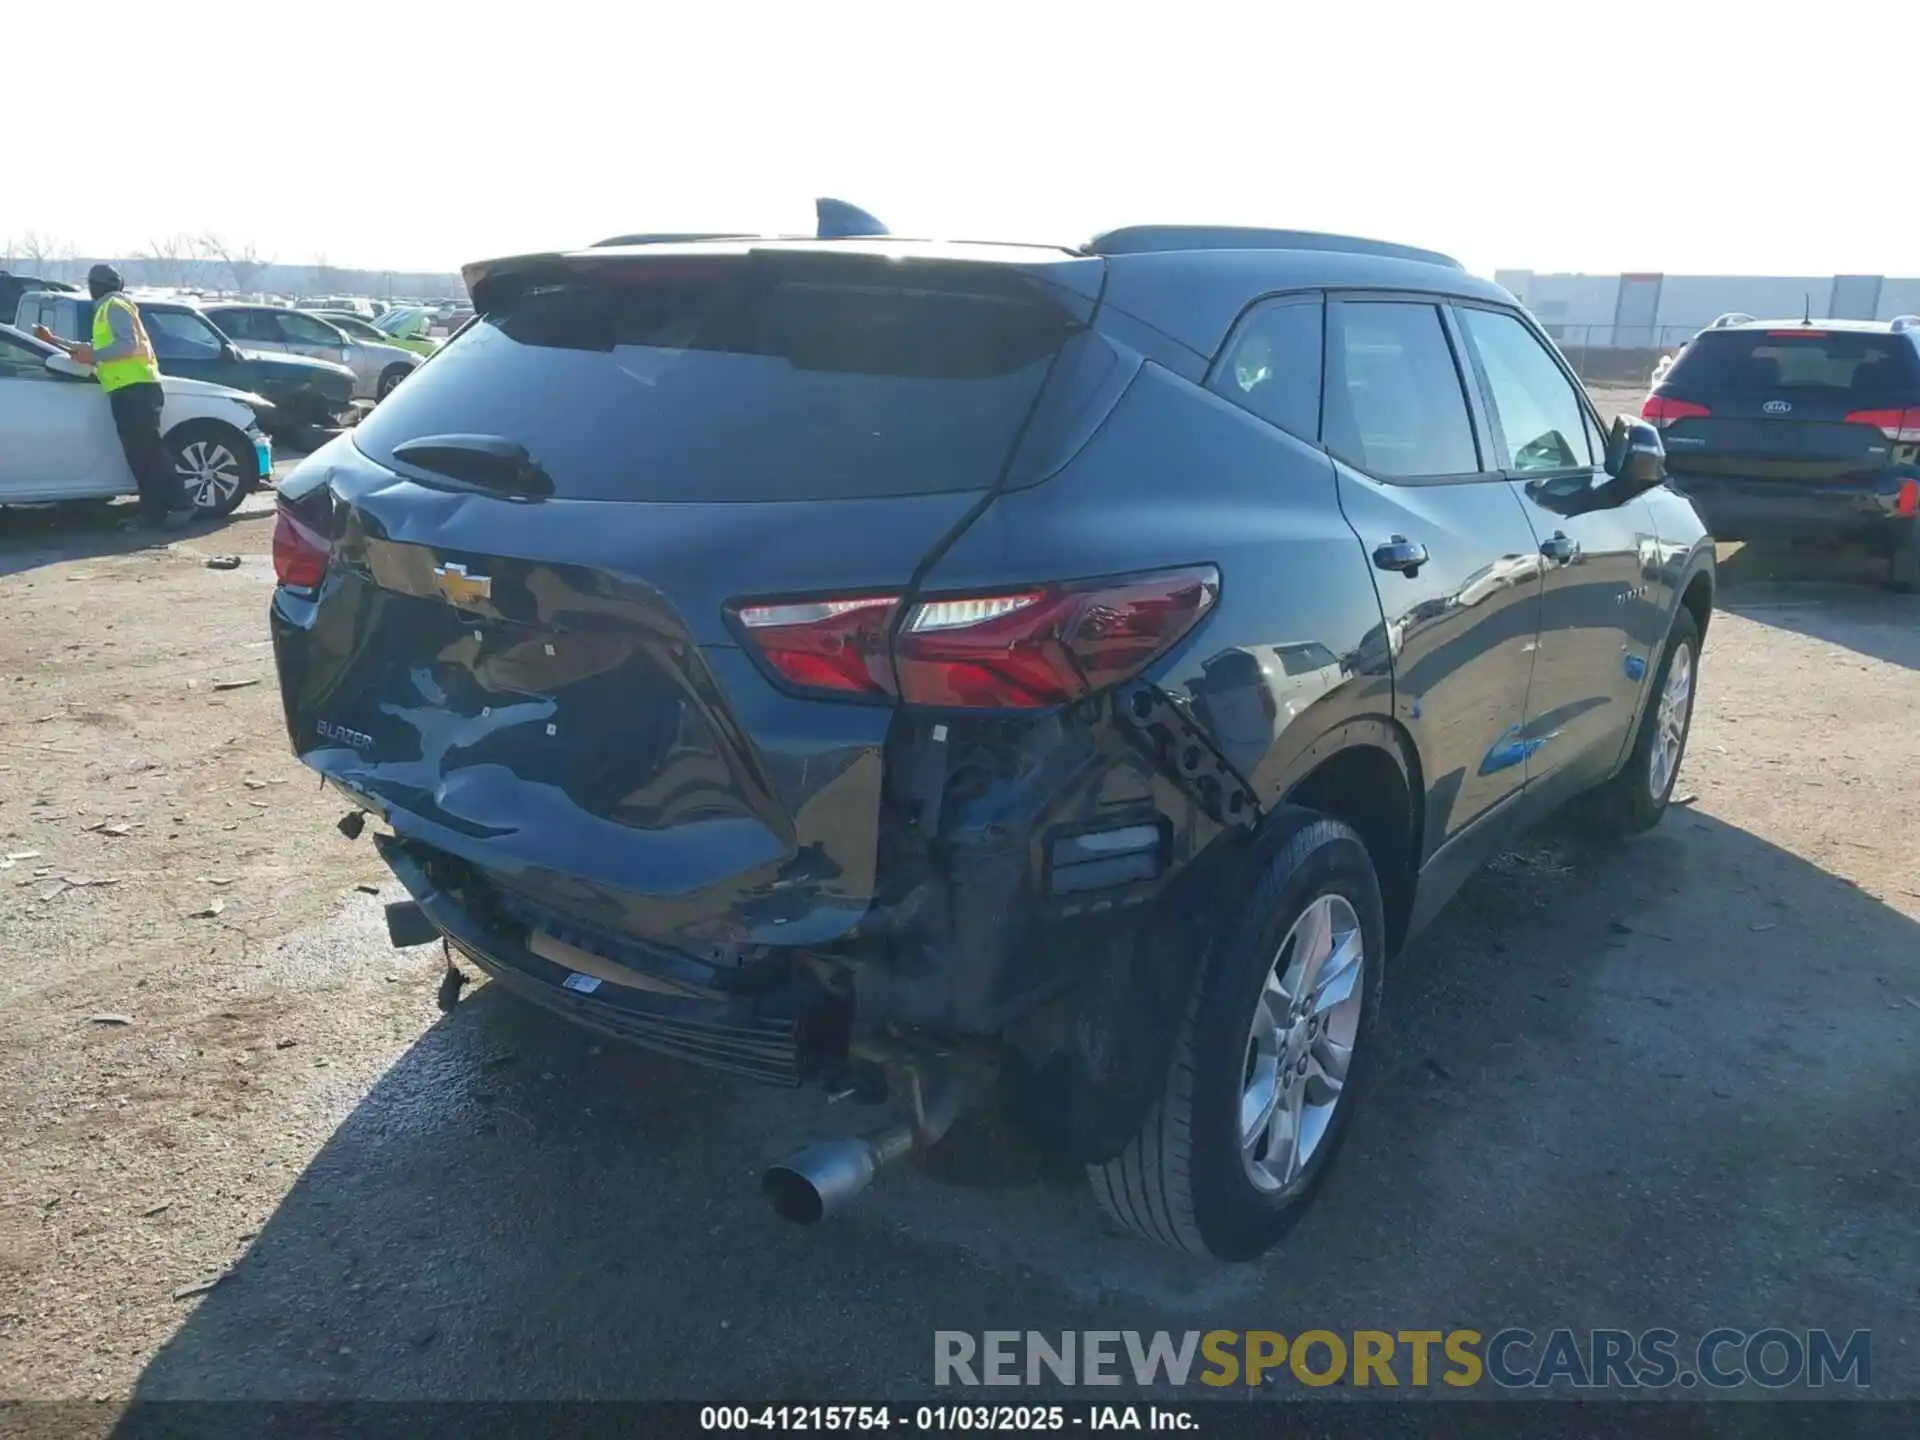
x=960, y=672
x=1800, y=430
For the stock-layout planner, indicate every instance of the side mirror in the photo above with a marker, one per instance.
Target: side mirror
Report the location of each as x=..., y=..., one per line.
x=66, y=365
x=1636, y=458
x=229, y=351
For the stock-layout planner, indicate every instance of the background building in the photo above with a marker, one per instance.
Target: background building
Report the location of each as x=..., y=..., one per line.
x=1585, y=312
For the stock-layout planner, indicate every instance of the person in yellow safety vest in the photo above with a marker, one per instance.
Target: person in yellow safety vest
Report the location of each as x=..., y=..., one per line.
x=124, y=364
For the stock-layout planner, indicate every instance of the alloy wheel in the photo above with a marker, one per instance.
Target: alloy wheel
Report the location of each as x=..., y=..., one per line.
x=1670, y=722
x=1300, y=1044
x=209, y=473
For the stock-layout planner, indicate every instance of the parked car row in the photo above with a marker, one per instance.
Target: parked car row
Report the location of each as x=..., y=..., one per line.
x=377, y=365
x=61, y=444
x=309, y=369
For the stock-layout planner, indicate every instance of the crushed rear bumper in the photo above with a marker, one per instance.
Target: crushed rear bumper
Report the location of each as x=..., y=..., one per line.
x=780, y=1033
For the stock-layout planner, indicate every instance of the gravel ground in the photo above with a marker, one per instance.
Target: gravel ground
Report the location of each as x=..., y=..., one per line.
x=1666, y=1083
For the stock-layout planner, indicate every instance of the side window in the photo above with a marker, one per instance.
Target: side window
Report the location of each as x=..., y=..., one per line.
x=304, y=330
x=263, y=325
x=1272, y=365
x=179, y=336
x=246, y=325
x=1534, y=404
x=1395, y=406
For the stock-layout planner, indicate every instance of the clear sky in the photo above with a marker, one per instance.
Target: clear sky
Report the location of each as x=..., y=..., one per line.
x=417, y=134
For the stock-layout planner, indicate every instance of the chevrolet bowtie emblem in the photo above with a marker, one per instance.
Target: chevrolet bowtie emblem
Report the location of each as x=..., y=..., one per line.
x=460, y=588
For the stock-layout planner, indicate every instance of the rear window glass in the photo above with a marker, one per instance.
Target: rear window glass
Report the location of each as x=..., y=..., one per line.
x=744, y=381
x=1272, y=366
x=1747, y=361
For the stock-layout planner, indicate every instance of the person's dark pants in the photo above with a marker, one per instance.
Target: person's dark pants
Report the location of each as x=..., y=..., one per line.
x=136, y=415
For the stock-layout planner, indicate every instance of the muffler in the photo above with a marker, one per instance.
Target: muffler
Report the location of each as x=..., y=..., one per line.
x=820, y=1178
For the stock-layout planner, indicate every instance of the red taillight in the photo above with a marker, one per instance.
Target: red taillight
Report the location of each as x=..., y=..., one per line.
x=1662, y=411
x=1900, y=426
x=299, y=551
x=836, y=645
x=1017, y=649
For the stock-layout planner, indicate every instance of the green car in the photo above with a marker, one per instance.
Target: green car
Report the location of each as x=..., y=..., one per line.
x=362, y=329
x=302, y=391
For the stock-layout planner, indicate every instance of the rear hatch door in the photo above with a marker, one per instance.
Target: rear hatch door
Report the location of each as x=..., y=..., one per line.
x=520, y=651
x=1797, y=404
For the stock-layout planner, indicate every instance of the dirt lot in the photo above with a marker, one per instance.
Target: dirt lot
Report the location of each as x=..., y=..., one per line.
x=1669, y=1083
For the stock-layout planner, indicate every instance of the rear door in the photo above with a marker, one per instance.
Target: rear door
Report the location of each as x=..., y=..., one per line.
x=528, y=660
x=304, y=335
x=1797, y=405
x=1600, y=621
x=1417, y=481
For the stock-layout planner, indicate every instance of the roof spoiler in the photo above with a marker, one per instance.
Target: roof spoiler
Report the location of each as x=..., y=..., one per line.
x=1732, y=317
x=1149, y=239
x=663, y=237
x=1903, y=323
x=833, y=220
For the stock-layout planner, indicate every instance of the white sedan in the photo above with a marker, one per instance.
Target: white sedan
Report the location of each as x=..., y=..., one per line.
x=58, y=442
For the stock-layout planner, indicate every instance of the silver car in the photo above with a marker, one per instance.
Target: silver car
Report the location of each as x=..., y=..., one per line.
x=377, y=366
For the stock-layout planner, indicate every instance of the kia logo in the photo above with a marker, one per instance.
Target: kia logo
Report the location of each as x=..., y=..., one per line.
x=1776, y=407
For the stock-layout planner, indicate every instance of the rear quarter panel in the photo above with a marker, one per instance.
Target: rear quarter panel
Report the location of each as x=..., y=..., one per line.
x=1176, y=476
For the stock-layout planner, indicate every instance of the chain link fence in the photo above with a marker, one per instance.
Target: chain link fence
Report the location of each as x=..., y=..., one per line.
x=1617, y=354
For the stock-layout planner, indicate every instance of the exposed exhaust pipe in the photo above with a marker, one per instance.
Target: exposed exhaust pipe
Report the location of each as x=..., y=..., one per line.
x=818, y=1179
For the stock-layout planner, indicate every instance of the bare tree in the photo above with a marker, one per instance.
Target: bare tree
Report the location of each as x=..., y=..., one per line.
x=166, y=261
x=244, y=262
x=45, y=253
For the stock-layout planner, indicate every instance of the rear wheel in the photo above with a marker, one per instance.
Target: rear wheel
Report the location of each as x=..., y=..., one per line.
x=1270, y=1054
x=390, y=377
x=216, y=465
x=1636, y=798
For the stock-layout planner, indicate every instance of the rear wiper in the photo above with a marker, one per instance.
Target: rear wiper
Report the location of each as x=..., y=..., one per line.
x=490, y=462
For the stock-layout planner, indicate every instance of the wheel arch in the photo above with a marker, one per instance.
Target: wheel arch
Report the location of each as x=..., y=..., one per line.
x=1697, y=599
x=1366, y=773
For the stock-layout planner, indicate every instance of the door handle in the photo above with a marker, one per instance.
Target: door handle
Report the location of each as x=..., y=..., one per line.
x=1402, y=554
x=1559, y=549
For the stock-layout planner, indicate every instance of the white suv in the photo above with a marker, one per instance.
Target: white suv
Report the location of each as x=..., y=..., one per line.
x=60, y=442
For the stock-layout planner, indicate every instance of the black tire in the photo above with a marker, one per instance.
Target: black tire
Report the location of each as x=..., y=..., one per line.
x=390, y=377
x=1630, y=803
x=1182, y=1181
x=216, y=458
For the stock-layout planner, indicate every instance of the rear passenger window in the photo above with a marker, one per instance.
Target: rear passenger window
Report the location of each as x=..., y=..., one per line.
x=1535, y=405
x=1395, y=406
x=1272, y=365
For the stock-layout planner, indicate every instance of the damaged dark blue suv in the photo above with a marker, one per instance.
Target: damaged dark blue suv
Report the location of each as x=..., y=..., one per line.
x=946, y=672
